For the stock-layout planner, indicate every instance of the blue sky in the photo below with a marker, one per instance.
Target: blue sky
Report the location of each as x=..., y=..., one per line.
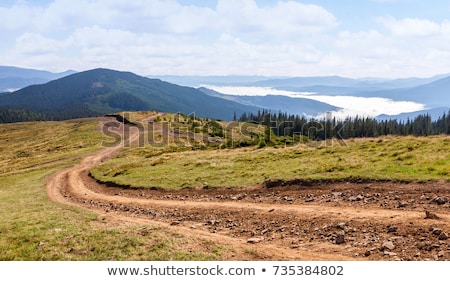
x=365, y=38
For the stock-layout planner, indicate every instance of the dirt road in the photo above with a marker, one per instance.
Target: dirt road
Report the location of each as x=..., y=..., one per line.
x=280, y=220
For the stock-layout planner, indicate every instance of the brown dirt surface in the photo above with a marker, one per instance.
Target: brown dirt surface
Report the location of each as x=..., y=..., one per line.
x=296, y=220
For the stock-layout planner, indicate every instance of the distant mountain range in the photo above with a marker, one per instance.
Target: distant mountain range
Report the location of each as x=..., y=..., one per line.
x=434, y=113
x=313, y=82
x=56, y=96
x=14, y=78
x=433, y=92
x=197, y=81
x=275, y=103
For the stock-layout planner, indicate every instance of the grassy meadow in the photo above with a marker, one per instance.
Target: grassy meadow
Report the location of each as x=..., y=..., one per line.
x=34, y=228
x=387, y=158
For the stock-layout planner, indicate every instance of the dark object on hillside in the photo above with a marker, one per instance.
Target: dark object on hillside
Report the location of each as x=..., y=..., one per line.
x=430, y=215
x=340, y=238
x=440, y=200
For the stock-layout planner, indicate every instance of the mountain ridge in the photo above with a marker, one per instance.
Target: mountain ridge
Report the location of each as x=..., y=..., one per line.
x=102, y=91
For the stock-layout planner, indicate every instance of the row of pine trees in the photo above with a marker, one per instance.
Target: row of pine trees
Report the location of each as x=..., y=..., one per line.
x=283, y=124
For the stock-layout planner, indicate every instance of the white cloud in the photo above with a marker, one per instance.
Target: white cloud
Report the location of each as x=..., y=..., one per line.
x=139, y=16
x=36, y=44
x=18, y=17
x=234, y=37
x=96, y=36
x=288, y=19
x=411, y=26
x=391, y=1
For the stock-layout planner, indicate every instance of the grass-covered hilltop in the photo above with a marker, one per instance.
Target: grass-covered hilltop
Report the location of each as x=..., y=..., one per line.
x=213, y=154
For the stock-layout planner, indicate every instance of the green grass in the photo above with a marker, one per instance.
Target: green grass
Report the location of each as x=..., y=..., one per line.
x=31, y=145
x=34, y=228
x=388, y=158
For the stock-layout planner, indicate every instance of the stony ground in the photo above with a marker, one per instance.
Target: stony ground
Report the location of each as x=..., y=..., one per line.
x=373, y=221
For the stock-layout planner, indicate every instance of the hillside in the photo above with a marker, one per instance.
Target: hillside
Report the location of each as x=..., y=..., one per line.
x=102, y=91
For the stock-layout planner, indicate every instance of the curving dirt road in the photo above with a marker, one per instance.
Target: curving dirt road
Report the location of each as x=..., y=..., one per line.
x=279, y=220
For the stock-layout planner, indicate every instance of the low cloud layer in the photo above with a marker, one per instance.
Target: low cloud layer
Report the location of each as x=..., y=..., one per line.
x=350, y=106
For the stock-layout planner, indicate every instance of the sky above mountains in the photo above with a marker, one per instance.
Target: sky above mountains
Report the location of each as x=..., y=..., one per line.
x=364, y=38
